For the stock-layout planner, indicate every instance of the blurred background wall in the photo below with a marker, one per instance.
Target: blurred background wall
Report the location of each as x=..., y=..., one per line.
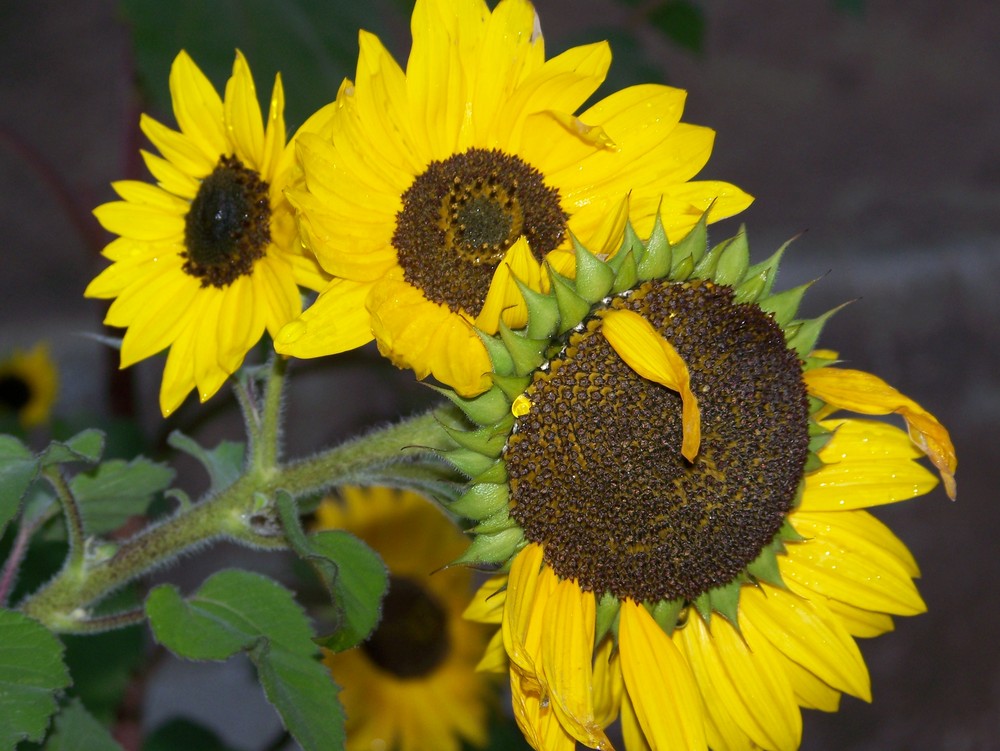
x=877, y=131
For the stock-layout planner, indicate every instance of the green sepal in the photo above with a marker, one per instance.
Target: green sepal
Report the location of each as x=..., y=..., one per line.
x=512, y=385
x=606, y=618
x=526, y=353
x=765, y=566
x=494, y=549
x=499, y=355
x=659, y=256
x=488, y=408
x=705, y=268
x=631, y=243
x=819, y=436
x=572, y=307
x=593, y=276
x=803, y=340
x=750, y=289
x=689, y=251
x=815, y=405
x=481, y=500
x=488, y=441
x=496, y=472
x=725, y=600
x=666, y=613
x=627, y=275
x=813, y=463
x=785, y=304
x=469, y=463
x=497, y=522
x=767, y=270
x=734, y=260
x=543, y=312
x=787, y=533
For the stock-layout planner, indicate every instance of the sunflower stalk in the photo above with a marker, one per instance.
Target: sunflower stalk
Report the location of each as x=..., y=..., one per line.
x=244, y=512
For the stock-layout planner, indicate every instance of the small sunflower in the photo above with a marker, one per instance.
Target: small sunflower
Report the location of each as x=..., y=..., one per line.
x=412, y=685
x=434, y=187
x=207, y=258
x=682, y=516
x=28, y=384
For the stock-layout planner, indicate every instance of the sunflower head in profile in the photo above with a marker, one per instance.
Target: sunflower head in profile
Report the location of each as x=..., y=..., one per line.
x=433, y=188
x=679, y=515
x=28, y=385
x=412, y=685
x=206, y=260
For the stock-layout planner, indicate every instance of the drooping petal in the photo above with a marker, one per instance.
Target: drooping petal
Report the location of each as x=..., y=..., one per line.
x=654, y=358
x=659, y=683
x=504, y=299
x=521, y=607
x=336, y=322
x=867, y=394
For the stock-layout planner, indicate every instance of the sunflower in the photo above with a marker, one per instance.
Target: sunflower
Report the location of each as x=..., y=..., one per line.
x=683, y=516
x=28, y=385
x=207, y=258
x=433, y=189
x=412, y=685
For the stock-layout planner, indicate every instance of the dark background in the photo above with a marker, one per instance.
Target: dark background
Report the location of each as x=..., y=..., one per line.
x=877, y=133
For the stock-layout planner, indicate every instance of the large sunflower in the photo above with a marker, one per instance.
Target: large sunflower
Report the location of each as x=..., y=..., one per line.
x=433, y=187
x=207, y=258
x=682, y=517
x=28, y=384
x=412, y=685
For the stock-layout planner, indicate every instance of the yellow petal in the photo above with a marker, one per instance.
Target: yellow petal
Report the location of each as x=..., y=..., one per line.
x=244, y=125
x=608, y=682
x=741, y=685
x=867, y=394
x=336, y=322
x=488, y=602
x=170, y=177
x=197, y=107
x=275, y=150
x=568, y=649
x=859, y=533
x=177, y=148
x=659, y=683
x=632, y=733
x=494, y=658
x=504, y=299
x=140, y=221
x=654, y=358
x=144, y=194
x=809, y=634
x=536, y=718
x=520, y=607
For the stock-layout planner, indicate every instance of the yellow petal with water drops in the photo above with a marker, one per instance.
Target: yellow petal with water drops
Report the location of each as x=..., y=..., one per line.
x=488, y=602
x=867, y=394
x=178, y=373
x=178, y=149
x=494, y=659
x=810, y=690
x=823, y=567
x=809, y=634
x=859, y=533
x=197, y=107
x=740, y=685
x=520, y=607
x=504, y=299
x=608, y=683
x=336, y=322
x=244, y=125
x=568, y=649
x=860, y=623
x=654, y=358
x=659, y=683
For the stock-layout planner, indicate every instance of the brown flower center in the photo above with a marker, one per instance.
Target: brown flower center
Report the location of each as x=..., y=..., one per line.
x=412, y=638
x=461, y=215
x=228, y=226
x=595, y=467
x=15, y=393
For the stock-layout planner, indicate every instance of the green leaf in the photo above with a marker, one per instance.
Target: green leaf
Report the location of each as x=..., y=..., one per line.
x=77, y=730
x=86, y=446
x=224, y=463
x=115, y=490
x=102, y=666
x=17, y=469
x=237, y=611
x=180, y=733
x=31, y=672
x=681, y=22
x=352, y=572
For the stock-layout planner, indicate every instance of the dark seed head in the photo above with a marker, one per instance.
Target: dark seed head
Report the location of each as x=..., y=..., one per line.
x=15, y=393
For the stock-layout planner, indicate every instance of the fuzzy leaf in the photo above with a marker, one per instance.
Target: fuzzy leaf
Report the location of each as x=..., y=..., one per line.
x=237, y=611
x=77, y=730
x=115, y=490
x=180, y=733
x=352, y=573
x=224, y=463
x=86, y=446
x=31, y=672
x=17, y=469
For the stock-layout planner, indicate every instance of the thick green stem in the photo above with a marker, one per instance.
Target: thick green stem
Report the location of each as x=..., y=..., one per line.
x=74, y=519
x=62, y=604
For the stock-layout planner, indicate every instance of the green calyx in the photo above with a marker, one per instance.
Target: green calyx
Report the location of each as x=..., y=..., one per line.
x=517, y=356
